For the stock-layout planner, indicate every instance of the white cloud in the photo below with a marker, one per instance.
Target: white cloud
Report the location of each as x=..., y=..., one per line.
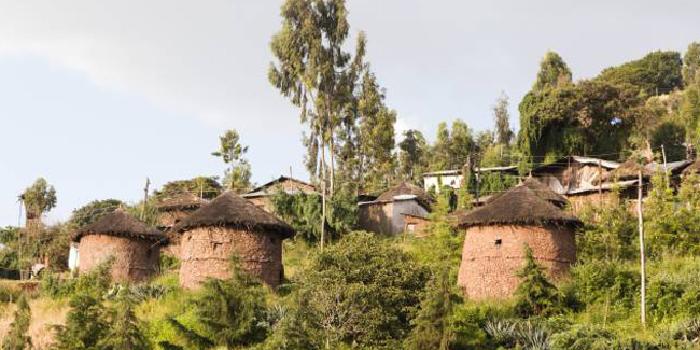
x=203, y=58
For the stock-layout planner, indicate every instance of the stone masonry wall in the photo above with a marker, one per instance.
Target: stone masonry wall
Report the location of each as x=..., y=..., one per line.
x=135, y=260
x=205, y=252
x=488, y=269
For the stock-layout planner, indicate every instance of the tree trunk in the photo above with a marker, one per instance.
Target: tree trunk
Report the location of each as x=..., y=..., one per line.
x=641, y=252
x=332, y=150
x=323, y=191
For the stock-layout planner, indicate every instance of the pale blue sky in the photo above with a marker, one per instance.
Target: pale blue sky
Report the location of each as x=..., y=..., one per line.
x=97, y=95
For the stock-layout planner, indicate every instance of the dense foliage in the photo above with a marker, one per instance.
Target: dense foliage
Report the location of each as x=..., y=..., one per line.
x=656, y=73
x=206, y=187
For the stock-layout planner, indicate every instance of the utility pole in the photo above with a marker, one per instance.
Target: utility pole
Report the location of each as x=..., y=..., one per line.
x=641, y=250
x=145, y=198
x=19, y=236
x=477, y=168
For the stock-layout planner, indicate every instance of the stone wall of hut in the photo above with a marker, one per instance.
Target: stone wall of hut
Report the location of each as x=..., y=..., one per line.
x=206, y=253
x=171, y=217
x=173, y=246
x=492, y=256
x=135, y=260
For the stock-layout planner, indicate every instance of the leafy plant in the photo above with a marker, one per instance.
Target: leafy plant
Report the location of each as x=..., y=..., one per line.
x=535, y=294
x=17, y=338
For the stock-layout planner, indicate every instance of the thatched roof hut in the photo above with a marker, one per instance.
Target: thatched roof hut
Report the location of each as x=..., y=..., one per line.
x=261, y=195
x=387, y=213
x=134, y=246
x=231, y=225
x=541, y=190
x=496, y=234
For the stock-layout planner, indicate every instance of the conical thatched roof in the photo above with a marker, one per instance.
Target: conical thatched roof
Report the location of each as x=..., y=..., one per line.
x=540, y=190
x=122, y=224
x=406, y=188
x=520, y=205
x=181, y=201
x=231, y=210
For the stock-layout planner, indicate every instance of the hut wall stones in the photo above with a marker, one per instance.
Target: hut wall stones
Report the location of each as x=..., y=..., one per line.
x=170, y=218
x=496, y=235
x=492, y=256
x=134, y=246
x=171, y=211
x=206, y=252
x=231, y=226
x=134, y=260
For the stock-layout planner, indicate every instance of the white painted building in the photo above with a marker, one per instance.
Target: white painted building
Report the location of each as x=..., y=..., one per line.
x=453, y=178
x=73, y=256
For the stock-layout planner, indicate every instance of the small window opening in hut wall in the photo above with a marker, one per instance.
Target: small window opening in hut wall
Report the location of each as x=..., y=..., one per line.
x=498, y=242
x=216, y=246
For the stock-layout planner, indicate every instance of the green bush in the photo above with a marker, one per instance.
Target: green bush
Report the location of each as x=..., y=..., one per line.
x=582, y=337
x=597, y=281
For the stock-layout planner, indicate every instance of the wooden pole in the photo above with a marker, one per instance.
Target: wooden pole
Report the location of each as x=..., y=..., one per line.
x=477, y=167
x=641, y=250
x=145, y=198
x=663, y=155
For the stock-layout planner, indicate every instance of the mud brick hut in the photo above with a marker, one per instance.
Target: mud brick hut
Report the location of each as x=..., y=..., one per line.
x=170, y=211
x=261, y=195
x=386, y=214
x=230, y=225
x=497, y=233
x=134, y=246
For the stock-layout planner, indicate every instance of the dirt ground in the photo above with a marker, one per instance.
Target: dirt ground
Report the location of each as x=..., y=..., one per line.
x=45, y=313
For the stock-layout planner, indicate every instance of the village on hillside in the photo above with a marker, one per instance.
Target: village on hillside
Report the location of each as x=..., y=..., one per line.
x=580, y=229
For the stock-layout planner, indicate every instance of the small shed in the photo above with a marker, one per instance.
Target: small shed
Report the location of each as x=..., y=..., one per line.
x=231, y=226
x=134, y=246
x=496, y=234
x=416, y=224
x=170, y=211
x=386, y=214
x=260, y=196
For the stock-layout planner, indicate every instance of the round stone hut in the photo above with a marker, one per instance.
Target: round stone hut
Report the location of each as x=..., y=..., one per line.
x=496, y=235
x=230, y=225
x=134, y=246
x=170, y=211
